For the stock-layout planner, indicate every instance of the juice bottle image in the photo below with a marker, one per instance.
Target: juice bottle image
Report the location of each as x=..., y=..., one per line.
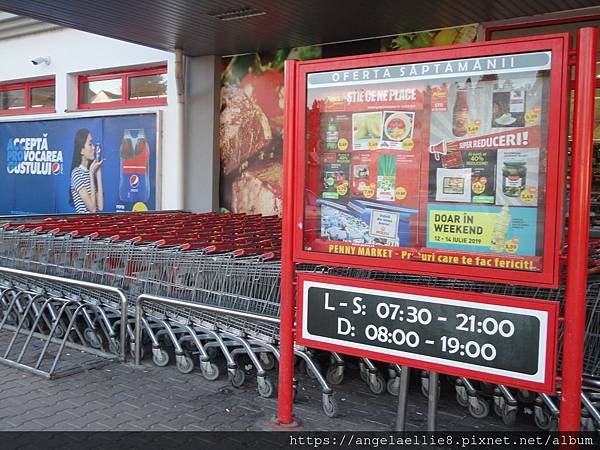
x=460, y=113
x=134, y=155
x=501, y=226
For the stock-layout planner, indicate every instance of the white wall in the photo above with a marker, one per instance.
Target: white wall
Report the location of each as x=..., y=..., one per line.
x=73, y=52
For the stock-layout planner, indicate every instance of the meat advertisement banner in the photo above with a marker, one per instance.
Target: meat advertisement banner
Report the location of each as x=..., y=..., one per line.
x=79, y=165
x=441, y=161
x=252, y=120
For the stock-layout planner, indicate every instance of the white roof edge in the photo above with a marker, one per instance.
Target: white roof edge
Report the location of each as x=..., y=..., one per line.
x=12, y=26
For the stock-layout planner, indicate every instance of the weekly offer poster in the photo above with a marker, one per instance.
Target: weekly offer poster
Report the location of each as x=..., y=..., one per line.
x=42, y=161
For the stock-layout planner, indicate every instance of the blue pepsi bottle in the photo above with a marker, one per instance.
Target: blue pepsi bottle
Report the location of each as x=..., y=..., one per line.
x=134, y=154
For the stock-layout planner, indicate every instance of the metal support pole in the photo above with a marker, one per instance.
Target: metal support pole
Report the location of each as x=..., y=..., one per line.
x=432, y=401
x=286, y=339
x=578, y=230
x=402, y=399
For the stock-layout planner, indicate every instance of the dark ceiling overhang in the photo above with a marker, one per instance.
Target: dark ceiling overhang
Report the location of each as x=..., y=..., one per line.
x=205, y=27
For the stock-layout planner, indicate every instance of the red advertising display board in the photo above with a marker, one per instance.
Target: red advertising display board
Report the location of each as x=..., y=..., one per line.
x=440, y=161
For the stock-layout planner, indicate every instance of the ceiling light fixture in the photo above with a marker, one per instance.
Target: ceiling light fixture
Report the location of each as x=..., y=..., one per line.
x=237, y=14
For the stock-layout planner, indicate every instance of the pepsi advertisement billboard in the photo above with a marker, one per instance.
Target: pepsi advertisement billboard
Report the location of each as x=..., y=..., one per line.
x=96, y=164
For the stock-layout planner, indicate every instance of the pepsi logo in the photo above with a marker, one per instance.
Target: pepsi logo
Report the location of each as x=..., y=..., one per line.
x=56, y=168
x=134, y=181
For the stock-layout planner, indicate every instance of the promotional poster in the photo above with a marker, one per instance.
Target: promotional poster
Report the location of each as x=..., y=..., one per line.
x=72, y=165
x=440, y=161
x=251, y=124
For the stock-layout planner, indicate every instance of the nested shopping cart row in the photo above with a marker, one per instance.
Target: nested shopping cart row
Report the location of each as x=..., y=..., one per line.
x=230, y=262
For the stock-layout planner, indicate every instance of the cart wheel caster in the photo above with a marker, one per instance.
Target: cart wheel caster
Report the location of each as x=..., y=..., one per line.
x=497, y=409
x=425, y=388
x=335, y=374
x=160, y=357
x=393, y=386
x=93, y=338
x=59, y=332
x=479, y=409
x=267, y=360
x=509, y=415
x=462, y=397
x=330, y=407
x=377, y=384
x=184, y=363
x=237, y=378
x=265, y=388
x=542, y=418
x=210, y=371
x=364, y=372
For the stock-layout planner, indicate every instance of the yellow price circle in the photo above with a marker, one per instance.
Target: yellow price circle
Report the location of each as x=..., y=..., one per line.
x=139, y=206
x=401, y=193
x=531, y=117
x=342, y=189
x=527, y=196
x=368, y=191
x=473, y=128
x=478, y=187
x=408, y=144
x=342, y=144
x=511, y=246
x=373, y=144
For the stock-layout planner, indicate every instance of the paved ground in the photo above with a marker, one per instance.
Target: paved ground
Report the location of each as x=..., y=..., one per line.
x=127, y=397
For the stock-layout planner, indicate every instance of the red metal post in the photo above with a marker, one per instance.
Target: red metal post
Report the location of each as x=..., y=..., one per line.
x=286, y=328
x=578, y=231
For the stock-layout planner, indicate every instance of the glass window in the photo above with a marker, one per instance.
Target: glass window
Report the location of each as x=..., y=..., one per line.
x=148, y=87
x=42, y=97
x=12, y=99
x=451, y=168
x=102, y=91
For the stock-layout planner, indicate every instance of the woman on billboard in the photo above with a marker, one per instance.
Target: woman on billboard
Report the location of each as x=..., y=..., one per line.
x=87, y=194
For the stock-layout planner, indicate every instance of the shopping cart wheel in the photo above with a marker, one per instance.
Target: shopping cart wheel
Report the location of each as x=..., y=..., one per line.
x=267, y=360
x=265, y=387
x=498, y=410
x=330, y=407
x=478, y=408
x=524, y=396
x=210, y=371
x=509, y=415
x=59, y=331
x=335, y=374
x=376, y=384
x=393, y=386
x=184, y=363
x=462, y=398
x=132, y=352
x=364, y=372
x=160, y=357
x=238, y=378
x=542, y=418
x=425, y=388
x=92, y=337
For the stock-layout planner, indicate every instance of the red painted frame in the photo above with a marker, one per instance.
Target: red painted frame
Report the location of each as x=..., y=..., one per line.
x=558, y=44
x=551, y=307
x=26, y=86
x=124, y=102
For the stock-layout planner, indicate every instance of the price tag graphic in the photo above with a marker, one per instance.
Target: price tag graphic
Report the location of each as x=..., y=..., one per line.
x=503, y=340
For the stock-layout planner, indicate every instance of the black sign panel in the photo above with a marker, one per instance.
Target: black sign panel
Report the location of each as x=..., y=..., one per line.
x=499, y=339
